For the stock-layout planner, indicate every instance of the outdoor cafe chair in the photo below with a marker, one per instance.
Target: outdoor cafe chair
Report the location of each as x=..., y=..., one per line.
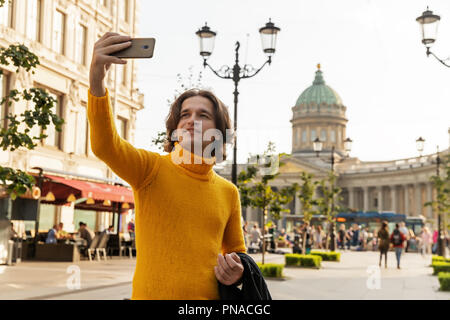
x=102, y=246
x=127, y=238
x=93, y=246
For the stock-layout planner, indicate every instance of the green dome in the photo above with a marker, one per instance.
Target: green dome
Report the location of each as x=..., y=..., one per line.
x=318, y=93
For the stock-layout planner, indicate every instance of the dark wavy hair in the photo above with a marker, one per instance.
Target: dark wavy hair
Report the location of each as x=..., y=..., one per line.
x=221, y=117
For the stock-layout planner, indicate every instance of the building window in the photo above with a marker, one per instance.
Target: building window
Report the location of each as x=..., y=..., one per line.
x=304, y=136
x=34, y=19
x=313, y=135
x=80, y=47
x=54, y=137
x=121, y=126
x=123, y=10
x=81, y=132
x=339, y=136
x=6, y=14
x=333, y=136
x=47, y=217
x=58, y=31
x=323, y=135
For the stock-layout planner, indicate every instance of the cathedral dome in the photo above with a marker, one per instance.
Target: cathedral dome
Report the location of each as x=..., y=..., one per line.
x=319, y=93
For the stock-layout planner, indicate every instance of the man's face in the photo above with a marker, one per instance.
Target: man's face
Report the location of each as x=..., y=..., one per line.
x=196, y=116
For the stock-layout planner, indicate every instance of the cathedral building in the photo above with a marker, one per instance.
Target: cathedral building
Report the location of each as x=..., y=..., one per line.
x=400, y=186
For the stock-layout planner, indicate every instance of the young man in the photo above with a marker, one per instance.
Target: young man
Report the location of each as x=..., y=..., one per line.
x=188, y=218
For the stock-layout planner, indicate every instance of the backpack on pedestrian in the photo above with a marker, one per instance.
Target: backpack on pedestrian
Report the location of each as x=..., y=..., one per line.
x=397, y=238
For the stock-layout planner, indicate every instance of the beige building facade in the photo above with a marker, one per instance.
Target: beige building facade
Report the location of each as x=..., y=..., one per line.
x=62, y=33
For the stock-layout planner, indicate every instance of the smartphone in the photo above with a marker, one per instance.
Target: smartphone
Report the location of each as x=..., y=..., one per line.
x=140, y=48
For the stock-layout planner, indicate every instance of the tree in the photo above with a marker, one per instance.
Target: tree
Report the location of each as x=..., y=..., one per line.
x=306, y=196
x=328, y=205
x=17, y=182
x=256, y=192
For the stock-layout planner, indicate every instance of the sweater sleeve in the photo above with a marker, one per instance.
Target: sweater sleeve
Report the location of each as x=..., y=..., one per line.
x=233, y=238
x=136, y=166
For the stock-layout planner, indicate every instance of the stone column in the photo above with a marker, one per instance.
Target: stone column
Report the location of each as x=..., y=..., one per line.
x=418, y=199
x=394, y=199
x=351, y=197
x=380, y=198
x=366, y=198
x=407, y=204
x=297, y=203
x=429, y=198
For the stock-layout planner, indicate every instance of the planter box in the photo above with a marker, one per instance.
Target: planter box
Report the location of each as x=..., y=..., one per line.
x=57, y=252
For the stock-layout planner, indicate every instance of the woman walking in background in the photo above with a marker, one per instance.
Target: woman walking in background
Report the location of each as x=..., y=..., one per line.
x=426, y=240
x=318, y=237
x=383, y=242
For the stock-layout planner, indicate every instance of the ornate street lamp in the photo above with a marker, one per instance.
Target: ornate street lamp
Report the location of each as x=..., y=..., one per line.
x=420, y=144
x=348, y=145
x=429, y=23
x=317, y=146
x=268, y=38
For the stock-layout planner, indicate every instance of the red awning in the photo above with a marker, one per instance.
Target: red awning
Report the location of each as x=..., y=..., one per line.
x=97, y=191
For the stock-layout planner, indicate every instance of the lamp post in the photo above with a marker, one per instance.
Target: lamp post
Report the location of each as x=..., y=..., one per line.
x=429, y=23
x=317, y=146
x=236, y=73
x=440, y=248
x=440, y=244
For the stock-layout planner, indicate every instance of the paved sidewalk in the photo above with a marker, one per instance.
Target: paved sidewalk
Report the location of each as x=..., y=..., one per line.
x=347, y=279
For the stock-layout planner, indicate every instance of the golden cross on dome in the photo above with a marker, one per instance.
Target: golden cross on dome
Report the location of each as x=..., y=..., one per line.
x=318, y=66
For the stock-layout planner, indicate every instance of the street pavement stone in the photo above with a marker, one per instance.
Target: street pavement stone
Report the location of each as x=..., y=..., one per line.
x=111, y=279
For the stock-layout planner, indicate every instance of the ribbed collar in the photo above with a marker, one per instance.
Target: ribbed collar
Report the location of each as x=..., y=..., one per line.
x=200, y=167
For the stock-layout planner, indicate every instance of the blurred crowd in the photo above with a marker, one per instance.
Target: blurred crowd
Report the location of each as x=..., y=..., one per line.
x=356, y=237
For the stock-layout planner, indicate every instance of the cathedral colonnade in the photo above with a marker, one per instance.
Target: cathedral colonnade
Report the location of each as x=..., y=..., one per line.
x=408, y=198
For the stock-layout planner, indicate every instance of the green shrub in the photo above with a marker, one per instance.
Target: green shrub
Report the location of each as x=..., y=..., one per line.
x=303, y=260
x=440, y=267
x=271, y=270
x=328, y=256
x=444, y=280
x=439, y=259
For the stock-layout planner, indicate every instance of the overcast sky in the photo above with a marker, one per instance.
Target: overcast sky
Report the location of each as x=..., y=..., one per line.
x=370, y=52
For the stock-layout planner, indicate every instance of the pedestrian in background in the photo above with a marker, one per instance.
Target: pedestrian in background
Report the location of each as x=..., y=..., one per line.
x=349, y=237
x=318, y=237
x=404, y=230
x=426, y=241
x=52, y=235
x=255, y=237
x=356, y=239
x=383, y=242
x=341, y=236
x=245, y=230
x=397, y=238
x=375, y=240
x=435, y=238
x=364, y=238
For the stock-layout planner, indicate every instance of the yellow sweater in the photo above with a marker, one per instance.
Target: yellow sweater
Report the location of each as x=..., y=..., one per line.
x=186, y=214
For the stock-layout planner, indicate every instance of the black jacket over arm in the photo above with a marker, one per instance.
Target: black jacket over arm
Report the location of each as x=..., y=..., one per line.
x=254, y=286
